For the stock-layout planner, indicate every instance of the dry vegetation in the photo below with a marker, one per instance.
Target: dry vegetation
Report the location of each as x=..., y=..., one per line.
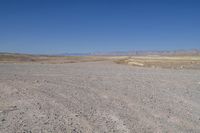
x=19, y=58
x=176, y=62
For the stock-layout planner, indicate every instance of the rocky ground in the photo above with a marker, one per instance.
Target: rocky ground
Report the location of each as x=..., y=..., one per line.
x=97, y=97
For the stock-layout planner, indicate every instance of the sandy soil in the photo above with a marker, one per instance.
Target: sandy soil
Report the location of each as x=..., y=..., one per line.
x=97, y=97
x=172, y=62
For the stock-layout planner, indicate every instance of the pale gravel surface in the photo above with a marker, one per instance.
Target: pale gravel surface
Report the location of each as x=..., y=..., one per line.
x=98, y=97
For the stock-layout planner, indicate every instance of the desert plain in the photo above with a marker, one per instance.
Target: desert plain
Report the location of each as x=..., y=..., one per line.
x=99, y=94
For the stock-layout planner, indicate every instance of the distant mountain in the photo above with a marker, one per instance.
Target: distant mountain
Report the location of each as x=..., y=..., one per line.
x=145, y=53
x=122, y=53
x=75, y=54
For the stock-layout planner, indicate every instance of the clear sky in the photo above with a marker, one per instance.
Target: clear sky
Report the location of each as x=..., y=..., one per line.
x=60, y=26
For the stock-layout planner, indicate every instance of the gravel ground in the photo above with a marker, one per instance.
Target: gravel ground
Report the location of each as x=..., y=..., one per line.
x=97, y=97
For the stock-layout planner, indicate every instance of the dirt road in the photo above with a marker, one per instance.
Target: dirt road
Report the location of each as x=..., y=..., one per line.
x=98, y=97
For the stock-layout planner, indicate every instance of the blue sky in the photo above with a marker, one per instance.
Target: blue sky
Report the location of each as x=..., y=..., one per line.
x=79, y=26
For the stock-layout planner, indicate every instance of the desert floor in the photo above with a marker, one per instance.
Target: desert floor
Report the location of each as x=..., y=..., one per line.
x=97, y=97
